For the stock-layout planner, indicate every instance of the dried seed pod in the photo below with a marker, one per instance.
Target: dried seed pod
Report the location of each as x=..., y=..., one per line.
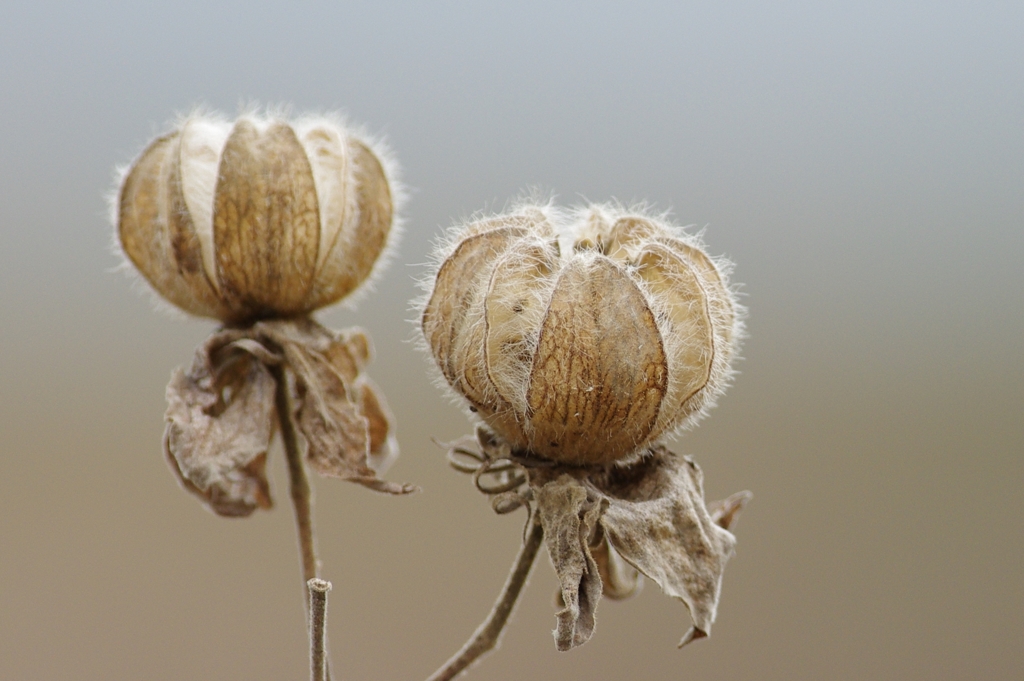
x=588, y=353
x=257, y=219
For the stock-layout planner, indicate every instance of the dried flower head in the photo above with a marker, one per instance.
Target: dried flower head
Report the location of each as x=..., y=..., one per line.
x=582, y=345
x=255, y=219
x=258, y=223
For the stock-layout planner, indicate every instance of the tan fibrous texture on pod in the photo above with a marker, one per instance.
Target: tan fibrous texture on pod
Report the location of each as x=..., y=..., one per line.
x=582, y=339
x=256, y=219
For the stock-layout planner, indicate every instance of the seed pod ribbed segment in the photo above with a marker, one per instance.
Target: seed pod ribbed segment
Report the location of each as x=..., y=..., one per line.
x=581, y=343
x=256, y=219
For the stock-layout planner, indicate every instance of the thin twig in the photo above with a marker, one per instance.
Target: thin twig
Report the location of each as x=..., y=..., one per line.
x=318, y=589
x=487, y=634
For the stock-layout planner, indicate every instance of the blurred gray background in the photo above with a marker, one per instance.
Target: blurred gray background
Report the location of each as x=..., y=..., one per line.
x=862, y=163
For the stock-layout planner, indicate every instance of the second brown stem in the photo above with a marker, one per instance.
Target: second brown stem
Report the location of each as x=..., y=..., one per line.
x=487, y=634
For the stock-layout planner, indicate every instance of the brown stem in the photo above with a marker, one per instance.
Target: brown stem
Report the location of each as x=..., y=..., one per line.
x=300, y=493
x=301, y=498
x=318, y=589
x=487, y=634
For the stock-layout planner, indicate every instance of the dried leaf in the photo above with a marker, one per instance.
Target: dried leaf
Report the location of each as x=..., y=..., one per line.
x=220, y=418
x=606, y=527
x=569, y=514
x=657, y=521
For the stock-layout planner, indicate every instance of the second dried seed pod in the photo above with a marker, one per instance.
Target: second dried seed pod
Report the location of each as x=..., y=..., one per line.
x=582, y=345
x=255, y=219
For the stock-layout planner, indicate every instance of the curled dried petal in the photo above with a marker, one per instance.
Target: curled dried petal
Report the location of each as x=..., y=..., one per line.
x=725, y=512
x=657, y=521
x=221, y=414
x=619, y=579
x=155, y=229
x=605, y=527
x=343, y=420
x=507, y=502
x=220, y=418
x=266, y=225
x=569, y=515
x=383, y=447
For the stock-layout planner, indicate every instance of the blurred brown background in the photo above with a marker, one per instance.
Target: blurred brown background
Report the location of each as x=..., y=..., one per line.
x=864, y=167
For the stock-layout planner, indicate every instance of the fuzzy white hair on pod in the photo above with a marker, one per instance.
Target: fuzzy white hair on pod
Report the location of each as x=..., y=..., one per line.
x=204, y=133
x=583, y=234
x=727, y=333
x=528, y=205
